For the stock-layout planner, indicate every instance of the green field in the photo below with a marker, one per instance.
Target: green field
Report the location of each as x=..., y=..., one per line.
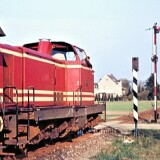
x=127, y=106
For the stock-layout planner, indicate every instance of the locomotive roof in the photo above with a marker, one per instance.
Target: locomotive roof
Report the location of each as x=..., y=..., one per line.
x=58, y=44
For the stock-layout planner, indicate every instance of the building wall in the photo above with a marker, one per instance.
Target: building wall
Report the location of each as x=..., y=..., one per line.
x=109, y=86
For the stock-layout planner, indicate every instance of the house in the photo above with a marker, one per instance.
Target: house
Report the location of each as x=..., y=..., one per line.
x=109, y=85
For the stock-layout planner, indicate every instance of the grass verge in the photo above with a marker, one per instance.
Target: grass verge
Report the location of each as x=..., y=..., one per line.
x=145, y=147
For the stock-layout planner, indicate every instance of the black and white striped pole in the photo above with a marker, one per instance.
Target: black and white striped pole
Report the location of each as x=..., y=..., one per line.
x=135, y=93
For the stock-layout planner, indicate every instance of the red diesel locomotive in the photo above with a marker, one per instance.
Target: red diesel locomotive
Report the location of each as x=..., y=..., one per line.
x=46, y=91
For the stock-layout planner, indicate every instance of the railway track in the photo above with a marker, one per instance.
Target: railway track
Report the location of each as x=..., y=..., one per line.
x=71, y=146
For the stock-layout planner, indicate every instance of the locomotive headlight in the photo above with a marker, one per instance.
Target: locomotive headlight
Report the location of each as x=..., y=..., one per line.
x=1, y=124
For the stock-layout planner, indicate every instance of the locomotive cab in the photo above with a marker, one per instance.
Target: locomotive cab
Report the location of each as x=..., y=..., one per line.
x=65, y=51
x=78, y=74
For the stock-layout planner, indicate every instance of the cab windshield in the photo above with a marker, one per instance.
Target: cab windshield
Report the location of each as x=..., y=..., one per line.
x=81, y=53
x=63, y=51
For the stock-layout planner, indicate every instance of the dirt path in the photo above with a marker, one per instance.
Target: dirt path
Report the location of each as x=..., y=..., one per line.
x=118, y=112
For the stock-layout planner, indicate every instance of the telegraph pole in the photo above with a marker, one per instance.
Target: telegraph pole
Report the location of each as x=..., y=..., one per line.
x=155, y=60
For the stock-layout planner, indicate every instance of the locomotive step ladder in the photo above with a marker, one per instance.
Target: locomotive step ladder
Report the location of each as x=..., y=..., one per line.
x=24, y=122
x=12, y=108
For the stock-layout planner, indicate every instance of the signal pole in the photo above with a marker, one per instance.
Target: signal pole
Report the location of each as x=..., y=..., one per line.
x=155, y=60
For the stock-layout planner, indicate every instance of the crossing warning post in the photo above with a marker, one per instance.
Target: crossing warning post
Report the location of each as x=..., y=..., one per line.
x=135, y=69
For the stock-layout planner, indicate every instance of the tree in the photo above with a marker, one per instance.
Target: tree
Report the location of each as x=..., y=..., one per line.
x=127, y=86
x=140, y=86
x=150, y=83
x=150, y=87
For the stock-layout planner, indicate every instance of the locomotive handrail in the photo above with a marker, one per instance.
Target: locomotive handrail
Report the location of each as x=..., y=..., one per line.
x=102, y=98
x=4, y=95
x=29, y=88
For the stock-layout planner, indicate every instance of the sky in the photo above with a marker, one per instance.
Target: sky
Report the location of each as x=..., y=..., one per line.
x=110, y=31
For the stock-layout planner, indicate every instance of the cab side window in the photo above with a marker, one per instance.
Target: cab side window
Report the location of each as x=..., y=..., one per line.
x=57, y=54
